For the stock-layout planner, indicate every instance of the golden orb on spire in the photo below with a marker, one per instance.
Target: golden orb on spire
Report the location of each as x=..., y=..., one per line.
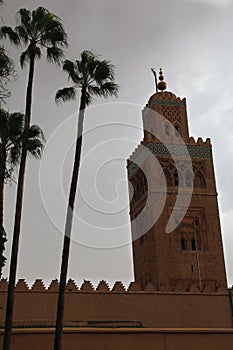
x=162, y=85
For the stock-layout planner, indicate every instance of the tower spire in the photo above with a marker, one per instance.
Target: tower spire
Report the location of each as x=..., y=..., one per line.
x=162, y=85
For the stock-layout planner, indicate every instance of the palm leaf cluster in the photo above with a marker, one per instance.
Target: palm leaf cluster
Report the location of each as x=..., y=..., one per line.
x=11, y=130
x=13, y=135
x=93, y=76
x=38, y=29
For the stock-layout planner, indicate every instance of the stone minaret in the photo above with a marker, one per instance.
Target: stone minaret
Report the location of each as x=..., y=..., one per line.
x=173, y=201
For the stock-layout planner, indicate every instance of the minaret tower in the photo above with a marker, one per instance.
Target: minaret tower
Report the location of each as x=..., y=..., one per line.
x=173, y=200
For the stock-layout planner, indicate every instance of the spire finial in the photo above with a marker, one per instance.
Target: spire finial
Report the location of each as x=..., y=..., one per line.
x=162, y=85
x=154, y=73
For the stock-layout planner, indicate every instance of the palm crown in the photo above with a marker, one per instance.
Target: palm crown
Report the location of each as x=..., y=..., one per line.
x=38, y=29
x=13, y=135
x=93, y=76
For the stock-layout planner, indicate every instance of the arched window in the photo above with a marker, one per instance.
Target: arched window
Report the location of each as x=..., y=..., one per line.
x=193, y=243
x=176, y=178
x=183, y=244
x=189, y=179
x=199, y=180
x=167, y=129
x=140, y=186
x=177, y=130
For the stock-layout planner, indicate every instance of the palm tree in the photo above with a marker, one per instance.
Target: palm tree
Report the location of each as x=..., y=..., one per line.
x=94, y=78
x=38, y=29
x=12, y=136
x=11, y=127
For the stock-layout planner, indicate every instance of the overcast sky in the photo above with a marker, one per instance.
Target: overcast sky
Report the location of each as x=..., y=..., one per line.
x=192, y=41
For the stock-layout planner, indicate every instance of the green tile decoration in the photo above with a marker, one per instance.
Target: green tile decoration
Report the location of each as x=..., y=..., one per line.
x=176, y=150
x=167, y=103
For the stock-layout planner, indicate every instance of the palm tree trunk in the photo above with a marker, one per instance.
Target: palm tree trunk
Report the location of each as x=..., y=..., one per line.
x=68, y=228
x=18, y=214
x=2, y=231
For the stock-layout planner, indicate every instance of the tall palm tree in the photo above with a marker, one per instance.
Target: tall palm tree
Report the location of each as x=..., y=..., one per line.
x=12, y=136
x=94, y=78
x=38, y=29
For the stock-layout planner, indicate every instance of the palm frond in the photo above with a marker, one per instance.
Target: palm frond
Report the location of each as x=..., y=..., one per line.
x=36, y=132
x=55, y=54
x=45, y=19
x=70, y=68
x=24, y=16
x=38, y=53
x=24, y=58
x=15, y=125
x=87, y=56
x=11, y=131
x=65, y=94
x=33, y=140
x=104, y=70
x=35, y=148
x=22, y=33
x=14, y=156
x=38, y=16
x=92, y=67
x=8, y=32
x=109, y=88
x=7, y=72
x=106, y=89
x=6, y=65
x=56, y=34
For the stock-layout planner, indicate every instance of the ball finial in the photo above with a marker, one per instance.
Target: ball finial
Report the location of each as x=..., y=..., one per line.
x=162, y=85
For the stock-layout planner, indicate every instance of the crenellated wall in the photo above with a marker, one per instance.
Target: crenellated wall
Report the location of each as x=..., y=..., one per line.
x=176, y=308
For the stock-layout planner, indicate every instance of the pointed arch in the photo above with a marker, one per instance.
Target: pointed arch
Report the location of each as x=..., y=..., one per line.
x=177, y=130
x=176, y=178
x=167, y=129
x=199, y=180
x=183, y=243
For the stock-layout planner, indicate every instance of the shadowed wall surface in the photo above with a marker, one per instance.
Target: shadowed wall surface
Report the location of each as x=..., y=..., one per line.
x=161, y=339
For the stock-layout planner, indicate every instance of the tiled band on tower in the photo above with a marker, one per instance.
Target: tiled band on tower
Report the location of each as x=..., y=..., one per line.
x=172, y=180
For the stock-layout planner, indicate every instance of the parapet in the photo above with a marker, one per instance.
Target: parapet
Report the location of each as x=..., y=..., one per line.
x=200, y=141
x=118, y=287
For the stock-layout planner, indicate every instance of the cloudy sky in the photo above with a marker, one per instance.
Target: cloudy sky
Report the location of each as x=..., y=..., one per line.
x=192, y=41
